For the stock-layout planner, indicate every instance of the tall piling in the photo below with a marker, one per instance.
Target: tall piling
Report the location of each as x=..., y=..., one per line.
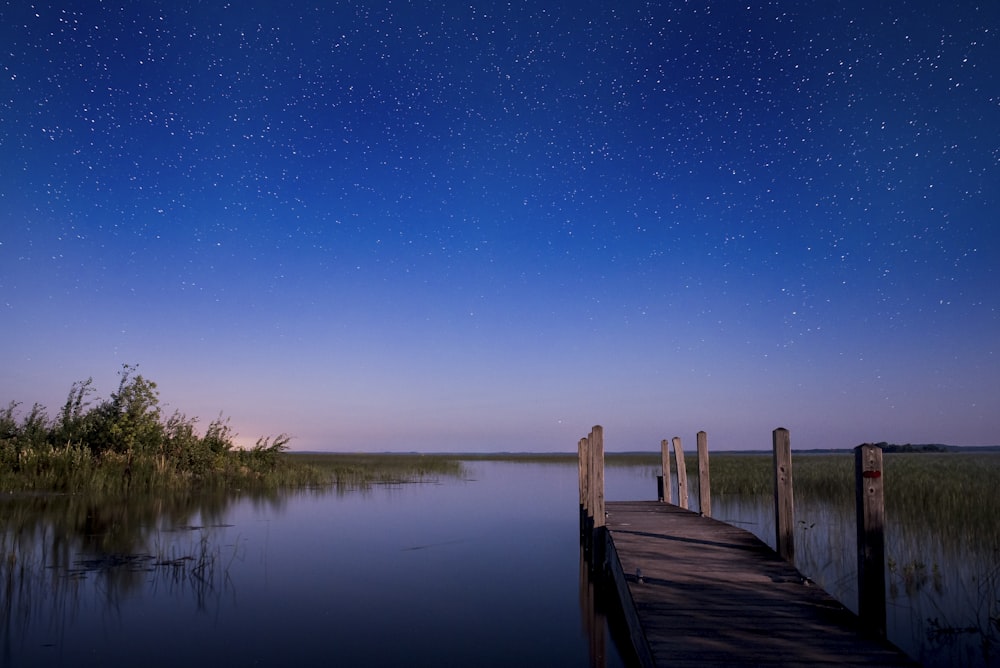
x=704, y=485
x=869, y=493
x=784, y=506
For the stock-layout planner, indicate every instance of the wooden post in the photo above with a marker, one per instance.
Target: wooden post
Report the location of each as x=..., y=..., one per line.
x=784, y=508
x=597, y=475
x=583, y=461
x=682, y=476
x=704, y=487
x=869, y=483
x=665, y=465
x=597, y=537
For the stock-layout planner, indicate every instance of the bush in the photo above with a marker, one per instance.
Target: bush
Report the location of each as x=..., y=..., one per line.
x=123, y=441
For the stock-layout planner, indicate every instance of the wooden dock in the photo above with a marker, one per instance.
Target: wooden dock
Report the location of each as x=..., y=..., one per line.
x=698, y=592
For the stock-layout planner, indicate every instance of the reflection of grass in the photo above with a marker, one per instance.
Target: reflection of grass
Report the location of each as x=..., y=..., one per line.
x=981, y=621
x=914, y=576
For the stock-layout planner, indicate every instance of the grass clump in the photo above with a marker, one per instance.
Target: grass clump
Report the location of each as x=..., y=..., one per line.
x=124, y=441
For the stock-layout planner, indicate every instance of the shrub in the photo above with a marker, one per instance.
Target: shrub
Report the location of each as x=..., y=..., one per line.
x=123, y=441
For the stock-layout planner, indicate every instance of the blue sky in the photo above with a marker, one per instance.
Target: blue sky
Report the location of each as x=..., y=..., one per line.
x=488, y=226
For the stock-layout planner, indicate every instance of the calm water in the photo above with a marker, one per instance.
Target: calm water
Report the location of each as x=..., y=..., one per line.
x=481, y=571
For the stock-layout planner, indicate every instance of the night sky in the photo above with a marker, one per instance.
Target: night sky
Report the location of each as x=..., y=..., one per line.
x=488, y=226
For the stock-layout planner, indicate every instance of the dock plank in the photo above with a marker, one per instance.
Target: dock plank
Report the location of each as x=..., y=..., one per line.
x=714, y=594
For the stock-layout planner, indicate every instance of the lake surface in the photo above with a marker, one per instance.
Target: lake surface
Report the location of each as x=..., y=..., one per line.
x=483, y=570
x=479, y=570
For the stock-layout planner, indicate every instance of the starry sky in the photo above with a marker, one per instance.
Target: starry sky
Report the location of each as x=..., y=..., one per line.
x=485, y=226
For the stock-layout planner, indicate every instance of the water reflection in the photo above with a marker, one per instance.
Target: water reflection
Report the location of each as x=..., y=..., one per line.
x=67, y=557
x=459, y=572
x=473, y=571
x=593, y=615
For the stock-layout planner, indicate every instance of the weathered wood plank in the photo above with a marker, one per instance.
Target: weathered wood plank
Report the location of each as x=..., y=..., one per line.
x=705, y=592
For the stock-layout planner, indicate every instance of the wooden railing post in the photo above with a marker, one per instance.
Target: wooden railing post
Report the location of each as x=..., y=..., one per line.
x=597, y=474
x=869, y=485
x=665, y=471
x=784, y=508
x=583, y=461
x=682, y=478
x=598, y=533
x=704, y=486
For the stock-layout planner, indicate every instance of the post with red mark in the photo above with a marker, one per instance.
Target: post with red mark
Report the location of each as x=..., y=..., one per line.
x=784, y=504
x=583, y=465
x=871, y=538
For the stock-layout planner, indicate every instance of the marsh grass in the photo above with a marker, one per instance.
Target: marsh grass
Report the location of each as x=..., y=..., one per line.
x=353, y=470
x=124, y=443
x=953, y=496
x=521, y=457
x=942, y=538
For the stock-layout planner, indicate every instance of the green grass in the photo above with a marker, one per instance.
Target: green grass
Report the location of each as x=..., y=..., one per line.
x=827, y=477
x=125, y=444
x=363, y=469
x=953, y=494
